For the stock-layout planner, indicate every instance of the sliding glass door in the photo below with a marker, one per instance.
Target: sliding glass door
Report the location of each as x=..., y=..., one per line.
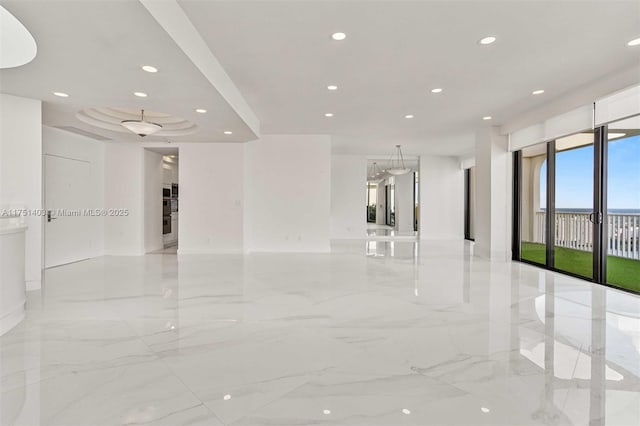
x=623, y=204
x=577, y=204
x=573, y=234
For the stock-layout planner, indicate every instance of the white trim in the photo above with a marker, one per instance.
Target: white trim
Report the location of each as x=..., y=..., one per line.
x=620, y=105
x=570, y=122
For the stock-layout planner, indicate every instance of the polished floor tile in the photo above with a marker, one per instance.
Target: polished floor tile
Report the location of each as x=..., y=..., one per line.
x=373, y=333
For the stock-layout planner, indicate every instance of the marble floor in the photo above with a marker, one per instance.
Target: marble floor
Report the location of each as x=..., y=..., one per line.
x=373, y=333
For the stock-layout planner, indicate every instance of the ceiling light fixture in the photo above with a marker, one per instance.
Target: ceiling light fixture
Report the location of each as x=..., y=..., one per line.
x=488, y=117
x=228, y=132
x=485, y=409
x=149, y=68
x=329, y=114
x=201, y=110
x=408, y=116
x=438, y=90
x=326, y=412
x=338, y=36
x=406, y=411
x=397, y=166
x=376, y=174
x=141, y=127
x=487, y=40
x=537, y=92
x=634, y=42
x=61, y=94
x=140, y=94
x=332, y=87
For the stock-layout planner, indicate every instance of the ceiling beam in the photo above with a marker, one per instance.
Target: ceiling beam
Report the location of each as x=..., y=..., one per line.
x=175, y=22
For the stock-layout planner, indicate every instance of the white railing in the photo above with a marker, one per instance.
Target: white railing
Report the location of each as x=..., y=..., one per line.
x=574, y=230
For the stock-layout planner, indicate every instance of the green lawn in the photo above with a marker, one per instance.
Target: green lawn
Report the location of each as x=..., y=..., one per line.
x=621, y=272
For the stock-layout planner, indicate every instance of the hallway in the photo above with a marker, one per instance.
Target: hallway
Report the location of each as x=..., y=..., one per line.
x=375, y=332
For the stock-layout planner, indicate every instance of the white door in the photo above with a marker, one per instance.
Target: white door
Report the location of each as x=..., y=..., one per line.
x=67, y=237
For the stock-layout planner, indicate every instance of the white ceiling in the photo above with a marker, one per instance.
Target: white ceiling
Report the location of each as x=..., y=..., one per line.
x=94, y=50
x=280, y=56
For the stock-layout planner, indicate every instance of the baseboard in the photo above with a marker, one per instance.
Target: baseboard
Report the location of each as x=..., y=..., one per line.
x=209, y=251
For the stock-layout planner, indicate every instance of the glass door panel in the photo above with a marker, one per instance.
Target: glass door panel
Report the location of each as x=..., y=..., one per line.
x=573, y=243
x=623, y=204
x=534, y=204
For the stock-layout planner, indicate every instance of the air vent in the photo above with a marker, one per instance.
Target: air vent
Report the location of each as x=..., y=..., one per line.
x=81, y=132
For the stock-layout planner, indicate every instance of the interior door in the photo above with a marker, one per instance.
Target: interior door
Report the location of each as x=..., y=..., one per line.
x=67, y=236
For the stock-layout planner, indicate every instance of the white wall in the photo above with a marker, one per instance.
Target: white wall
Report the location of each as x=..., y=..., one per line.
x=441, y=198
x=211, y=218
x=153, y=177
x=69, y=145
x=288, y=193
x=404, y=202
x=493, y=202
x=124, y=189
x=348, y=196
x=21, y=173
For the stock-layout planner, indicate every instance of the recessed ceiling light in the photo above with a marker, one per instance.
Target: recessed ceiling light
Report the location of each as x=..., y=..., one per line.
x=537, y=92
x=228, y=132
x=487, y=40
x=634, y=42
x=408, y=116
x=332, y=87
x=329, y=114
x=149, y=68
x=488, y=117
x=61, y=94
x=438, y=90
x=201, y=110
x=338, y=36
x=140, y=94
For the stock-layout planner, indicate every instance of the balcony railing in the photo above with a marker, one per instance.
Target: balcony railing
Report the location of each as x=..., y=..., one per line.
x=574, y=230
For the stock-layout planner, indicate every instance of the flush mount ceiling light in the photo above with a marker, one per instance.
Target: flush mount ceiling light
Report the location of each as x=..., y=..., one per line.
x=487, y=117
x=140, y=94
x=61, y=94
x=487, y=40
x=141, y=127
x=332, y=87
x=634, y=42
x=437, y=90
x=397, y=166
x=409, y=116
x=537, y=92
x=149, y=68
x=201, y=110
x=329, y=114
x=18, y=45
x=228, y=132
x=338, y=36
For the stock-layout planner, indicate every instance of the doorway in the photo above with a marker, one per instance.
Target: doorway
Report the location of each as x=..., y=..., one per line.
x=161, y=207
x=393, y=202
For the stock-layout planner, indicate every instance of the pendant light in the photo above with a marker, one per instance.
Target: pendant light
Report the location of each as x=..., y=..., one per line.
x=141, y=127
x=397, y=166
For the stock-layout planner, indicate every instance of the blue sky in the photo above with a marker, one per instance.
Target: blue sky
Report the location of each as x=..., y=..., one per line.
x=574, y=176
